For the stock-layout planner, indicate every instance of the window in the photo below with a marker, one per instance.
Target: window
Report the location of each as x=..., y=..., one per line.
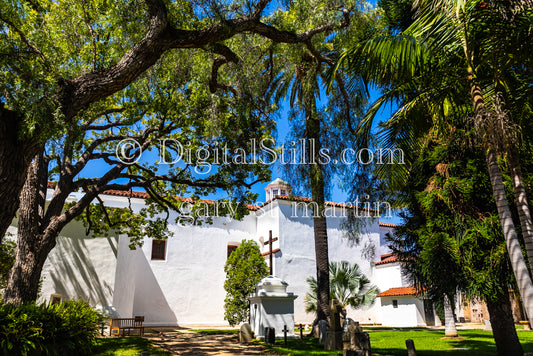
x=159, y=249
x=394, y=303
x=231, y=248
x=283, y=192
x=275, y=192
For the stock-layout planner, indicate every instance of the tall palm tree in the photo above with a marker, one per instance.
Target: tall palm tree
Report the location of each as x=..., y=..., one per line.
x=298, y=74
x=348, y=285
x=465, y=38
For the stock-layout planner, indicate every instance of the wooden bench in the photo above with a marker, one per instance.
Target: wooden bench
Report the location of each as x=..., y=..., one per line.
x=125, y=326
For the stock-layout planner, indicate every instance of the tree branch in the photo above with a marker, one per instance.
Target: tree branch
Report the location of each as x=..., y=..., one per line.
x=80, y=92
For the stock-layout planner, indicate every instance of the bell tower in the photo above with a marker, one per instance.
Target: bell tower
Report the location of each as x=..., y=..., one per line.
x=277, y=187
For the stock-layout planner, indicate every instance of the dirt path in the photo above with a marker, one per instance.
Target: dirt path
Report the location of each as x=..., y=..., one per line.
x=185, y=342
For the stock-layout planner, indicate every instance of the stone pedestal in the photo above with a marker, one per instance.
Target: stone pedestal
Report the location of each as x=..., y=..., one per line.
x=272, y=307
x=355, y=341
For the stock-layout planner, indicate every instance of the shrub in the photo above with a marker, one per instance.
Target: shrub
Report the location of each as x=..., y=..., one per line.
x=7, y=258
x=244, y=269
x=60, y=329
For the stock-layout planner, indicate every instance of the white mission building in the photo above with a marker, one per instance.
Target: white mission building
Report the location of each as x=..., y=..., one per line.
x=180, y=281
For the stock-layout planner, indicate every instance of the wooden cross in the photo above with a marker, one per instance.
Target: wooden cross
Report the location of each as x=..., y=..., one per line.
x=270, y=254
x=285, y=331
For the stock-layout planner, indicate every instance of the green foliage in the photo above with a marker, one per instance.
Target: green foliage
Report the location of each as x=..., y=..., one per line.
x=452, y=237
x=7, y=258
x=397, y=14
x=347, y=285
x=244, y=268
x=60, y=329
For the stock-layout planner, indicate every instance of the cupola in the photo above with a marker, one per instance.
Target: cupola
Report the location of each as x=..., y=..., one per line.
x=277, y=187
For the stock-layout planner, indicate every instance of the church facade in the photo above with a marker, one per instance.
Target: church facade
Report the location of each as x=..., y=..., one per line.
x=180, y=281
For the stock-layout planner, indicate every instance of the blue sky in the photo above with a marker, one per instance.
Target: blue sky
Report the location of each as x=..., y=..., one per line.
x=283, y=130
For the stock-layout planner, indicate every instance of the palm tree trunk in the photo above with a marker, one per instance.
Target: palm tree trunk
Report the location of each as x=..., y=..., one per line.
x=523, y=279
x=316, y=178
x=523, y=207
x=525, y=286
x=449, y=321
x=503, y=328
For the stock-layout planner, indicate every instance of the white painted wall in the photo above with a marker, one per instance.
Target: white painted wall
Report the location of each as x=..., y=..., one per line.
x=409, y=312
x=187, y=288
x=296, y=261
x=79, y=266
x=384, y=248
x=388, y=276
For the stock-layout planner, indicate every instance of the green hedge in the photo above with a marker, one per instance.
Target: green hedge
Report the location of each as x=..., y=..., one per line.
x=61, y=329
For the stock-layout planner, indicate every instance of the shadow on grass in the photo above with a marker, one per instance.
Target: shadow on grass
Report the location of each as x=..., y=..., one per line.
x=125, y=346
x=427, y=342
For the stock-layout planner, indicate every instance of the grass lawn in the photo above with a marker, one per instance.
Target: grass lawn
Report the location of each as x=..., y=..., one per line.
x=125, y=346
x=427, y=342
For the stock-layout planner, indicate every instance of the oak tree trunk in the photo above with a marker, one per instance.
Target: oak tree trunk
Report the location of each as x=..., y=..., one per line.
x=33, y=244
x=503, y=328
x=15, y=157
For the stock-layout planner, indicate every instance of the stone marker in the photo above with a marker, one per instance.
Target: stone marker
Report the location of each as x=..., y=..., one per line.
x=345, y=324
x=411, y=351
x=270, y=336
x=322, y=329
x=488, y=327
x=355, y=341
x=245, y=334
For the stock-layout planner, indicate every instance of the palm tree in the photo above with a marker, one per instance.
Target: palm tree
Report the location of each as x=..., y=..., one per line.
x=348, y=286
x=298, y=74
x=449, y=320
x=467, y=45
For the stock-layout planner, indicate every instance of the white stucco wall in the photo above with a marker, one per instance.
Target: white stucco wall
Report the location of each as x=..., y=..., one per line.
x=296, y=261
x=187, y=287
x=409, y=312
x=388, y=276
x=79, y=266
x=383, y=231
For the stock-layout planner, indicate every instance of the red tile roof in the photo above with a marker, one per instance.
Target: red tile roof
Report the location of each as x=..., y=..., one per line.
x=144, y=195
x=388, y=258
x=383, y=224
x=400, y=291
